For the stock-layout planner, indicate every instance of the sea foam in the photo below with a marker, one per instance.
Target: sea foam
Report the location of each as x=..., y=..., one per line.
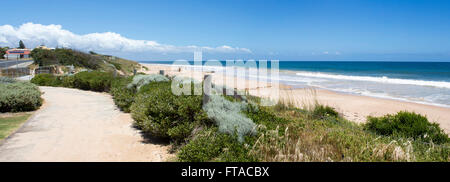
x=384, y=79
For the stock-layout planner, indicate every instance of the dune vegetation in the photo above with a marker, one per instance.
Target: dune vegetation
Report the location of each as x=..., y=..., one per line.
x=81, y=60
x=240, y=129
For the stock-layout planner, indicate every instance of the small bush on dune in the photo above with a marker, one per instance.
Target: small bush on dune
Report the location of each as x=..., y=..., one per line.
x=68, y=81
x=209, y=145
x=228, y=117
x=181, y=80
x=407, y=124
x=263, y=116
x=19, y=96
x=323, y=112
x=46, y=79
x=125, y=89
x=141, y=80
x=123, y=97
x=95, y=81
x=160, y=113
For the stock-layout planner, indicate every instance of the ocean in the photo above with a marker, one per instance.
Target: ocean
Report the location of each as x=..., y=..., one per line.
x=419, y=82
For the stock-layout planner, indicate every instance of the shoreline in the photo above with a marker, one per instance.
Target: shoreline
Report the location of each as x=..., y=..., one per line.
x=386, y=98
x=353, y=107
x=319, y=87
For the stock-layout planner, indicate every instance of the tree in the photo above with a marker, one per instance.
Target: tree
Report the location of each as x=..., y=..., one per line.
x=3, y=52
x=44, y=57
x=21, y=45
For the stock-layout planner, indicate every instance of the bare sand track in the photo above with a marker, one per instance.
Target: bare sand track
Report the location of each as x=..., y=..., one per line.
x=75, y=125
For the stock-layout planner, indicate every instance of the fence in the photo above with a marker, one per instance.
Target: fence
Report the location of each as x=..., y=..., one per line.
x=46, y=69
x=14, y=69
x=15, y=72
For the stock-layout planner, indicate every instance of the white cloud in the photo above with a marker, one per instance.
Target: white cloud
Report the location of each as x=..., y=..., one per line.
x=54, y=35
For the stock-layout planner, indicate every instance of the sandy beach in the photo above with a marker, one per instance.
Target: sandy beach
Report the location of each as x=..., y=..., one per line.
x=353, y=107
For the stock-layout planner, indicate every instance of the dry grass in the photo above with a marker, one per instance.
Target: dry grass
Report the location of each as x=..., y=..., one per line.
x=316, y=146
x=308, y=139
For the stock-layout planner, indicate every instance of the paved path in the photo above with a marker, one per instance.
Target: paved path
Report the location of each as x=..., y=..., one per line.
x=75, y=125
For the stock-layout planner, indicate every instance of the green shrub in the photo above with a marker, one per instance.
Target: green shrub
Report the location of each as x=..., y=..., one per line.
x=141, y=80
x=46, y=79
x=63, y=56
x=68, y=81
x=323, y=112
x=19, y=96
x=7, y=80
x=116, y=65
x=264, y=117
x=124, y=89
x=228, y=117
x=44, y=57
x=94, y=80
x=407, y=124
x=123, y=97
x=160, y=113
x=181, y=80
x=209, y=145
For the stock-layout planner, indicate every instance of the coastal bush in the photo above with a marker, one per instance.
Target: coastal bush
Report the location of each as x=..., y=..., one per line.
x=116, y=65
x=94, y=81
x=263, y=116
x=67, y=81
x=160, y=113
x=407, y=124
x=63, y=56
x=323, y=112
x=185, y=80
x=6, y=80
x=125, y=89
x=141, y=80
x=44, y=57
x=77, y=58
x=211, y=145
x=123, y=97
x=46, y=79
x=228, y=116
x=19, y=96
x=186, y=85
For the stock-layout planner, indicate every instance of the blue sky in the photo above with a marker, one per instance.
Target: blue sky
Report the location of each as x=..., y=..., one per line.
x=403, y=30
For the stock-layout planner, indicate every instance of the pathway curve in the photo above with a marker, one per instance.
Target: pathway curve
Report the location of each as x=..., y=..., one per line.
x=75, y=125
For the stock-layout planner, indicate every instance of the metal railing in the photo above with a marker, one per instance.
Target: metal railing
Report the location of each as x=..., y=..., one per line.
x=15, y=69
